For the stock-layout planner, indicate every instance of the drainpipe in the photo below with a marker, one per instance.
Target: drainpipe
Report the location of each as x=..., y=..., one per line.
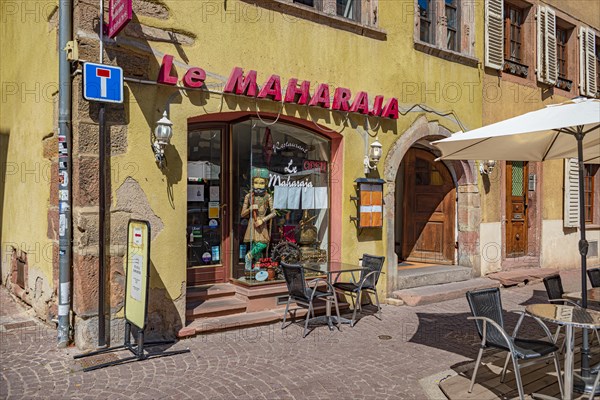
x=65, y=28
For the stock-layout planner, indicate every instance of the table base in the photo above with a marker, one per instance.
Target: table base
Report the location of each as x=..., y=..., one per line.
x=585, y=384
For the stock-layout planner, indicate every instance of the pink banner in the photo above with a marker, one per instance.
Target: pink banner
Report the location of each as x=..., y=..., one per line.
x=119, y=14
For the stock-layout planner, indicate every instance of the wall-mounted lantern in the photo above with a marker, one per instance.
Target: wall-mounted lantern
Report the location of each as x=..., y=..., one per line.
x=373, y=157
x=369, y=203
x=162, y=136
x=486, y=167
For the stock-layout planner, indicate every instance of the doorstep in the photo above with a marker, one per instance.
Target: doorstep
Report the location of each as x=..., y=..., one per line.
x=412, y=277
x=522, y=275
x=438, y=293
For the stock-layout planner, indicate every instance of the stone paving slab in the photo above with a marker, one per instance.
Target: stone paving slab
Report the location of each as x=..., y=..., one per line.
x=438, y=293
x=264, y=362
x=522, y=275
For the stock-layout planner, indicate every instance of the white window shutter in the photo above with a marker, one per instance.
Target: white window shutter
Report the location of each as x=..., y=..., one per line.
x=582, y=60
x=590, y=62
x=494, y=34
x=571, y=202
x=587, y=62
x=551, y=58
x=547, y=68
x=541, y=28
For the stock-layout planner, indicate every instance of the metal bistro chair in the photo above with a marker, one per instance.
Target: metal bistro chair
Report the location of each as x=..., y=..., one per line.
x=594, y=275
x=301, y=293
x=595, y=370
x=486, y=308
x=555, y=292
x=369, y=275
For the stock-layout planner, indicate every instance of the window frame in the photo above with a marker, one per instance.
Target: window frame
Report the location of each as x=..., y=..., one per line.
x=463, y=50
x=356, y=8
x=597, y=67
x=562, y=49
x=457, y=10
x=430, y=21
x=590, y=195
x=323, y=12
x=508, y=31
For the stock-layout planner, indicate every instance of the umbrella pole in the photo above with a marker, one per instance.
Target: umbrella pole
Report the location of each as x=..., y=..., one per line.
x=586, y=384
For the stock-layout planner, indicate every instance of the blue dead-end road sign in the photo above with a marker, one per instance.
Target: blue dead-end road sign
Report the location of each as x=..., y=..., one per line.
x=102, y=83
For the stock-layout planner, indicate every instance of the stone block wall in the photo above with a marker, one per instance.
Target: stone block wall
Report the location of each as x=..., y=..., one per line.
x=131, y=201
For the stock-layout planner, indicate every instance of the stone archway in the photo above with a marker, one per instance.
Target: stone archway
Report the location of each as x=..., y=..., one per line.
x=468, y=205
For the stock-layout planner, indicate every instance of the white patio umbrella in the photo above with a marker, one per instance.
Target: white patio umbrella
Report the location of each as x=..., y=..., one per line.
x=566, y=130
x=540, y=135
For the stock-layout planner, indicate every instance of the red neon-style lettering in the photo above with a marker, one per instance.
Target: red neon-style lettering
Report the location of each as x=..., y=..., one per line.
x=321, y=97
x=361, y=103
x=391, y=109
x=194, y=77
x=164, y=75
x=341, y=99
x=271, y=88
x=239, y=85
x=293, y=90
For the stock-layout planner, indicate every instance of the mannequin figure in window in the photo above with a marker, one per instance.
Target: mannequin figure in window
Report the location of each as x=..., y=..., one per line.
x=258, y=207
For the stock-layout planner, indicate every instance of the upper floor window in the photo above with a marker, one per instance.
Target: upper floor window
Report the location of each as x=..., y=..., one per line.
x=452, y=15
x=448, y=27
x=561, y=52
x=564, y=77
x=343, y=8
x=425, y=19
x=597, y=67
x=505, y=32
x=348, y=9
x=589, y=173
x=513, y=36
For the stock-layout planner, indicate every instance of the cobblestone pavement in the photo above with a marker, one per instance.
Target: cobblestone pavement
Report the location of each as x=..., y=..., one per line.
x=374, y=360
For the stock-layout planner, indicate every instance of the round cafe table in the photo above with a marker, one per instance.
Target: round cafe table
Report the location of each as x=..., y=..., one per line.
x=570, y=317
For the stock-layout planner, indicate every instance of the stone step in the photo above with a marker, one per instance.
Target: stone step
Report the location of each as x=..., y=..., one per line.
x=215, y=307
x=437, y=293
x=248, y=319
x=433, y=275
x=522, y=275
x=205, y=292
x=237, y=321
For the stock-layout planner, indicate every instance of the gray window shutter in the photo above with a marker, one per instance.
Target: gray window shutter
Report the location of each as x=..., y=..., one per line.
x=571, y=202
x=494, y=34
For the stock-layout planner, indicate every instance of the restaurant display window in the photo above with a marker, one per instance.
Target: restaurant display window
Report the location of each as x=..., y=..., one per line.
x=204, y=219
x=280, y=198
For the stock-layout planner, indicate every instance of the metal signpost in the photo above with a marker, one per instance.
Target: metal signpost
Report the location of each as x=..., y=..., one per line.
x=137, y=280
x=103, y=84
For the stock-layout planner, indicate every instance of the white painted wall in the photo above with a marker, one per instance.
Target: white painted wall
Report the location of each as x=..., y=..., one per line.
x=490, y=244
x=560, y=248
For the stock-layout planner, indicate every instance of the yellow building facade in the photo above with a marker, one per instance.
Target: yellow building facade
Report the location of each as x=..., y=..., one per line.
x=403, y=73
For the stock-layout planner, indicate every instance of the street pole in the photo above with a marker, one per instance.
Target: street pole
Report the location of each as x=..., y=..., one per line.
x=102, y=198
x=64, y=172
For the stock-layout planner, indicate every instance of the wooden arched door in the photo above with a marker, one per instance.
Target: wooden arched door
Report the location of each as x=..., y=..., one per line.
x=429, y=209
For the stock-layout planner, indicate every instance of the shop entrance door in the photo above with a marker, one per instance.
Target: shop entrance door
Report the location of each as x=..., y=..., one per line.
x=516, y=208
x=206, y=211
x=429, y=209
